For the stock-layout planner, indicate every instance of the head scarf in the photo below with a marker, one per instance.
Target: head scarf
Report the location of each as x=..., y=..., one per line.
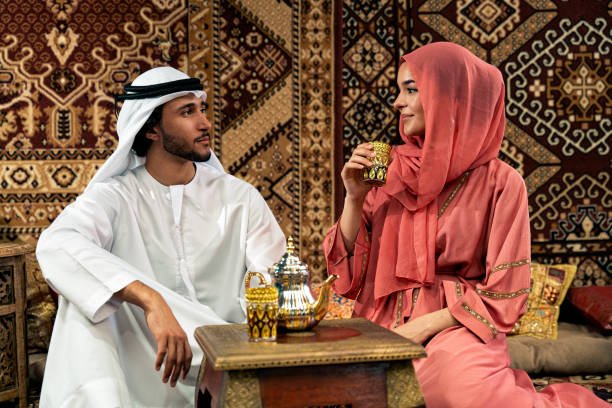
x=463, y=103
x=133, y=116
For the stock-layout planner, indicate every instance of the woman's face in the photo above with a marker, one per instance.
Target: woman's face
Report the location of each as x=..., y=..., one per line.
x=408, y=103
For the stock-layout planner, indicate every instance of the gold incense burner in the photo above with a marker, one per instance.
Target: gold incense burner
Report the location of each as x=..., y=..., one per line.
x=297, y=309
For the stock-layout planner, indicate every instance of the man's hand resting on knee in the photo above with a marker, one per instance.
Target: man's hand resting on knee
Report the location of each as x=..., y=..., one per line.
x=172, y=343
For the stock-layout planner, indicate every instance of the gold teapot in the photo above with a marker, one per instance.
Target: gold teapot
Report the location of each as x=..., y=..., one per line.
x=297, y=309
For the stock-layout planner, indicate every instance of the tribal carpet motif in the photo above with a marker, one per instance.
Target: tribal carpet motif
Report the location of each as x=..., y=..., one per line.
x=266, y=66
x=555, y=58
x=60, y=64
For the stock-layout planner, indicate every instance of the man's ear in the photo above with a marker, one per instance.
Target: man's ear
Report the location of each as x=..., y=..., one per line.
x=153, y=133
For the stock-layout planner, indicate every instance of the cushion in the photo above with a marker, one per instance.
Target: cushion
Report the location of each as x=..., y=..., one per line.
x=549, y=285
x=595, y=303
x=577, y=350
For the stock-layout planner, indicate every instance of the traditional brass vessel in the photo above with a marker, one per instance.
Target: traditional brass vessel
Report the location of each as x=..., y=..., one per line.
x=262, y=309
x=297, y=309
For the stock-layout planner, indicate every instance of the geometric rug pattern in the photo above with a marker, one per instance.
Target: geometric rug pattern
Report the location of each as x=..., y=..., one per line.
x=265, y=66
x=290, y=100
x=556, y=62
x=60, y=64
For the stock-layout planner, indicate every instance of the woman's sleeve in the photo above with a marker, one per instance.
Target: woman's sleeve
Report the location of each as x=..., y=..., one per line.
x=495, y=304
x=350, y=268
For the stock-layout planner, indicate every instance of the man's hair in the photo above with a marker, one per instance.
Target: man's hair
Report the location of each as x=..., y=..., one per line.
x=141, y=141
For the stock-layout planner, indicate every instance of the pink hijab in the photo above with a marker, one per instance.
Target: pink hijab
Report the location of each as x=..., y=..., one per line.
x=463, y=102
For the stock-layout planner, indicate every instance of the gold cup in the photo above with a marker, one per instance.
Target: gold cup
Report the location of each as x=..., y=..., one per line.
x=377, y=174
x=262, y=309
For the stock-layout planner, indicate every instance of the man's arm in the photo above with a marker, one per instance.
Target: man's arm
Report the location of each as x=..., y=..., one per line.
x=172, y=342
x=75, y=258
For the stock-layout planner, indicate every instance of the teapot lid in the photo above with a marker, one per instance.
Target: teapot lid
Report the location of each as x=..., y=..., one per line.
x=289, y=263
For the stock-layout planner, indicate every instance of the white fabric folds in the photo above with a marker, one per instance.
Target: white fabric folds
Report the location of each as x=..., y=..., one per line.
x=192, y=243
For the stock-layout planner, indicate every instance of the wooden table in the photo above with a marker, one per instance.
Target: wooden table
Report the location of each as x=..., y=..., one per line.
x=339, y=362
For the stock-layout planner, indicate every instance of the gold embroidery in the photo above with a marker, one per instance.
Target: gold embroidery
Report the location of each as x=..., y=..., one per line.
x=454, y=193
x=458, y=290
x=511, y=265
x=400, y=308
x=502, y=295
x=415, y=296
x=480, y=318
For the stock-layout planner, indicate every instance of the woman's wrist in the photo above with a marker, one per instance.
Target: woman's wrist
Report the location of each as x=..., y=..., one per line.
x=438, y=321
x=354, y=200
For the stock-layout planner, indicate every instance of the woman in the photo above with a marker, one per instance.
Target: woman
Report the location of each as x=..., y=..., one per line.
x=441, y=253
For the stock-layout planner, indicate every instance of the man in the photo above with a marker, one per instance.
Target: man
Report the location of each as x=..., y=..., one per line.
x=157, y=245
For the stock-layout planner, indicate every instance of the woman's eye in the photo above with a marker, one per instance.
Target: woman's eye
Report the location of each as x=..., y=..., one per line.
x=412, y=90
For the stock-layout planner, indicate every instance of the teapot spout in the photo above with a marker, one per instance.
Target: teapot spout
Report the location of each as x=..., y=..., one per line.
x=322, y=303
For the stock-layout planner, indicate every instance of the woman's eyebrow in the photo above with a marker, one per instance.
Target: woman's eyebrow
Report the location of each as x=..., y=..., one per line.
x=408, y=82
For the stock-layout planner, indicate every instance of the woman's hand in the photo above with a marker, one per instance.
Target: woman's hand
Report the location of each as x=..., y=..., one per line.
x=352, y=172
x=423, y=327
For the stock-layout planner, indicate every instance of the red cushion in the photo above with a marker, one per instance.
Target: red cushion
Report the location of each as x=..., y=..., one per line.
x=595, y=302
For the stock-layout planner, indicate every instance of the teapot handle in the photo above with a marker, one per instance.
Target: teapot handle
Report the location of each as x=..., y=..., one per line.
x=247, y=281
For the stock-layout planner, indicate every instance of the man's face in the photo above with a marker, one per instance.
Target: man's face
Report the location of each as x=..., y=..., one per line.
x=184, y=128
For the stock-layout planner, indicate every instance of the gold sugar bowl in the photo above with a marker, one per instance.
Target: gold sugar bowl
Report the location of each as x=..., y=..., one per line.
x=262, y=309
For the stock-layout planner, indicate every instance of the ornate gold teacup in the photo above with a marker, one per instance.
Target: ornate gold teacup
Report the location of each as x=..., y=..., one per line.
x=262, y=309
x=377, y=174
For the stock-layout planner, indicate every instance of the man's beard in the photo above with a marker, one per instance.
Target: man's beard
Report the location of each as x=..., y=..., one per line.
x=181, y=149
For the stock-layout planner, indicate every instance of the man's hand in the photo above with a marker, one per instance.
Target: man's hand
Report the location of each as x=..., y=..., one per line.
x=172, y=342
x=423, y=327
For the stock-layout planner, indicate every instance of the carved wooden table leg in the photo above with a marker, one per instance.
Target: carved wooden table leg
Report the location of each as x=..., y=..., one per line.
x=240, y=389
x=227, y=389
x=402, y=387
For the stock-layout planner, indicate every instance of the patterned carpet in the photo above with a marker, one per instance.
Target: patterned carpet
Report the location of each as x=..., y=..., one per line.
x=555, y=58
x=265, y=66
x=294, y=86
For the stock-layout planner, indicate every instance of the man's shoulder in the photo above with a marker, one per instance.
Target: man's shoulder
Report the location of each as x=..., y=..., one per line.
x=226, y=180
x=115, y=186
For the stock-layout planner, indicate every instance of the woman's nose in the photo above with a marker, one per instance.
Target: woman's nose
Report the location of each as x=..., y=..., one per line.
x=397, y=104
